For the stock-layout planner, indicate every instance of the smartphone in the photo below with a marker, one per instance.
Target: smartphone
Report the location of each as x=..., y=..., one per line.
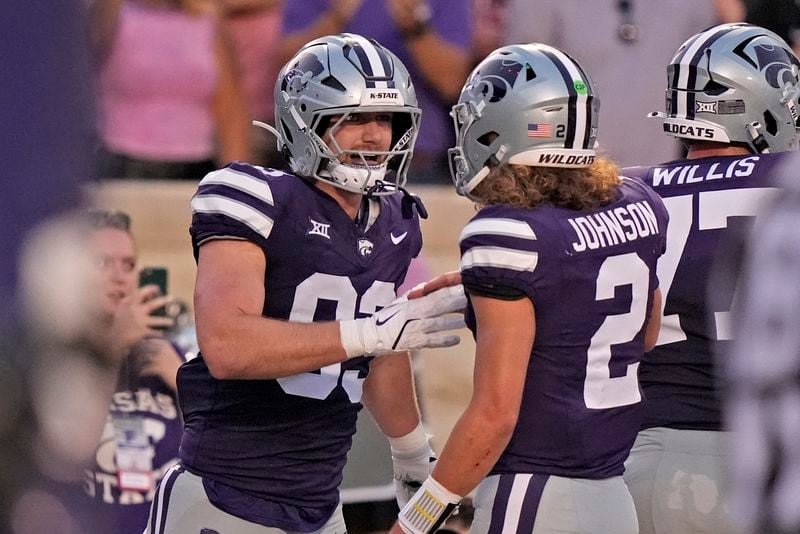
x=156, y=276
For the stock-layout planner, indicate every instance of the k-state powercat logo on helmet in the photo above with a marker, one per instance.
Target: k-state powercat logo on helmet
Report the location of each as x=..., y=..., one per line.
x=305, y=67
x=776, y=64
x=494, y=79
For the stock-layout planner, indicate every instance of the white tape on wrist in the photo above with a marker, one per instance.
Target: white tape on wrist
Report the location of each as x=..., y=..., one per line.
x=428, y=509
x=350, y=336
x=412, y=441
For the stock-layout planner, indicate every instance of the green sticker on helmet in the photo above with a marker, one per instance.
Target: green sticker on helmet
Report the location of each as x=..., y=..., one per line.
x=580, y=87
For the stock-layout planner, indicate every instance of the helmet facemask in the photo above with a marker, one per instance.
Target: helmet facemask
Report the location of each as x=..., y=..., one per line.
x=360, y=170
x=324, y=85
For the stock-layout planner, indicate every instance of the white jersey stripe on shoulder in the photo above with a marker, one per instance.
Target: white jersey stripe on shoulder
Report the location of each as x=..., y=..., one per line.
x=514, y=504
x=242, y=182
x=580, y=106
x=375, y=62
x=499, y=257
x=504, y=227
x=236, y=210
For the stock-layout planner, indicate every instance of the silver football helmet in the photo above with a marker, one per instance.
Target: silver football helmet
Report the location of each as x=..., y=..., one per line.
x=323, y=85
x=734, y=83
x=528, y=104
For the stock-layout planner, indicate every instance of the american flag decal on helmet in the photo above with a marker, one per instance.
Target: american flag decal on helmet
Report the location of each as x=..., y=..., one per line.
x=542, y=129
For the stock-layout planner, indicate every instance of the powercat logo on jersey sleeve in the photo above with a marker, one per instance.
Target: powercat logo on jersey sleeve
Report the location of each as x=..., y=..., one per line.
x=382, y=97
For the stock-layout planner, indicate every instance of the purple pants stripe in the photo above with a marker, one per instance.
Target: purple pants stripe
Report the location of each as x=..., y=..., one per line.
x=500, y=503
x=530, y=505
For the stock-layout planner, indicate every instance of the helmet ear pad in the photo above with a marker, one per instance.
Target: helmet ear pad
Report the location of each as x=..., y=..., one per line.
x=736, y=84
x=340, y=75
x=524, y=104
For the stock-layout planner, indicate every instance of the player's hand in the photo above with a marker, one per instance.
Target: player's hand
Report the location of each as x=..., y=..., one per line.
x=452, y=278
x=407, y=325
x=411, y=468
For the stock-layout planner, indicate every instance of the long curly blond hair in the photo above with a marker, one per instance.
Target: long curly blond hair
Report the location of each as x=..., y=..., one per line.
x=523, y=186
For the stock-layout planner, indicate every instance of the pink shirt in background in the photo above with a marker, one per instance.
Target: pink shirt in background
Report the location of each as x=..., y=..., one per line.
x=157, y=85
x=255, y=39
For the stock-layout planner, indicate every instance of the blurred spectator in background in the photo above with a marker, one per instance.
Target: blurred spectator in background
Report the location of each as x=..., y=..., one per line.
x=432, y=39
x=82, y=325
x=730, y=10
x=780, y=16
x=487, y=27
x=763, y=368
x=254, y=27
x=45, y=138
x=624, y=43
x=169, y=96
x=142, y=433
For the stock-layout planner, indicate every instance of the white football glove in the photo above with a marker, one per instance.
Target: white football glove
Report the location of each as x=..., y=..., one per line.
x=411, y=468
x=407, y=325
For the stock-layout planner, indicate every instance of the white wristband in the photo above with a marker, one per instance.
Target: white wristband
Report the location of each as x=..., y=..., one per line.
x=428, y=509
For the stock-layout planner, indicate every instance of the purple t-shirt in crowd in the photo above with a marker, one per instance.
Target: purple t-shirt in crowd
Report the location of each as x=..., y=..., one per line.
x=450, y=19
x=144, y=418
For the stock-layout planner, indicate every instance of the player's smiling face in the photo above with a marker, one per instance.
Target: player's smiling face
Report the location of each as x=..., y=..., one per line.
x=367, y=132
x=114, y=260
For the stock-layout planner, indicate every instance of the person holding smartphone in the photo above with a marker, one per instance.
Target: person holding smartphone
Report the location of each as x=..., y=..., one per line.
x=140, y=440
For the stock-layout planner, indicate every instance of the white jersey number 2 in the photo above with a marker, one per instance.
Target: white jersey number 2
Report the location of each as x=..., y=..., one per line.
x=600, y=390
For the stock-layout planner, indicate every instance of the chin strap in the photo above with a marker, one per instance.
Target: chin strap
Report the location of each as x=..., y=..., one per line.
x=407, y=204
x=759, y=142
x=410, y=202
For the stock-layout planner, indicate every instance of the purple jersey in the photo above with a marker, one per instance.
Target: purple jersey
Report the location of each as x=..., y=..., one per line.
x=272, y=451
x=591, y=275
x=709, y=200
x=143, y=425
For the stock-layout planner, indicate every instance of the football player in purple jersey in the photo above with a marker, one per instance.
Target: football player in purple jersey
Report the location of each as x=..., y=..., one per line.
x=732, y=97
x=560, y=268
x=297, y=274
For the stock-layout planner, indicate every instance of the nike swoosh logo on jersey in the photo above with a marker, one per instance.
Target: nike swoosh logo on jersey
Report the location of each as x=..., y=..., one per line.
x=396, y=240
x=378, y=322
